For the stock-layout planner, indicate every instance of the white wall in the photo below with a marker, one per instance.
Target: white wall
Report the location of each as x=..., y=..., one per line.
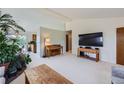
x=106, y=25
x=33, y=18
x=55, y=36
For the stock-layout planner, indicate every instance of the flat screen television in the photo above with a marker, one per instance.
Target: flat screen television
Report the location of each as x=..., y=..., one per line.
x=92, y=39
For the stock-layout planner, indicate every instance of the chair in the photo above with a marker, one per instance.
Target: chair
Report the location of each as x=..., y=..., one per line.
x=117, y=75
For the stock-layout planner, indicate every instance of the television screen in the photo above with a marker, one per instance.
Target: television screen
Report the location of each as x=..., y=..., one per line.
x=92, y=39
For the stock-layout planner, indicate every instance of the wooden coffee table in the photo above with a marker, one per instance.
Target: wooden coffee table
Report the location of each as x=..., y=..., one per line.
x=44, y=75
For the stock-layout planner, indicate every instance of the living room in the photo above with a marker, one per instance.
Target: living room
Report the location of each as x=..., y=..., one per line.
x=51, y=26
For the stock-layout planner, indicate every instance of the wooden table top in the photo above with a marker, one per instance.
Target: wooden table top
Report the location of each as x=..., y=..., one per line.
x=45, y=75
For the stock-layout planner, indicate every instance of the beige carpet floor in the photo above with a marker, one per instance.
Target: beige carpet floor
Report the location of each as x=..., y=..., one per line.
x=77, y=70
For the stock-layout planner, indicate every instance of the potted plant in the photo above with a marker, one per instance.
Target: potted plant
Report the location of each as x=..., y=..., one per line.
x=7, y=23
x=9, y=47
x=3, y=51
x=12, y=52
x=8, y=50
x=24, y=59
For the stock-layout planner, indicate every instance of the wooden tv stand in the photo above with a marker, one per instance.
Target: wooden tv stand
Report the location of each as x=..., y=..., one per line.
x=93, y=51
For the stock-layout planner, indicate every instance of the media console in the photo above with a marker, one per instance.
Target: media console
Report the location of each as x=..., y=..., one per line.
x=93, y=51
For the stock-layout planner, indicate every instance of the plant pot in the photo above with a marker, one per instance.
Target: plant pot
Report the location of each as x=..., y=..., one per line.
x=6, y=65
x=12, y=71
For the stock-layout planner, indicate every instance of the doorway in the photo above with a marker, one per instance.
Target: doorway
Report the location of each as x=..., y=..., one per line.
x=69, y=41
x=120, y=46
x=34, y=46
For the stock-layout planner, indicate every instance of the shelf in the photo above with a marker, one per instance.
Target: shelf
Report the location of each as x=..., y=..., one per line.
x=93, y=51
